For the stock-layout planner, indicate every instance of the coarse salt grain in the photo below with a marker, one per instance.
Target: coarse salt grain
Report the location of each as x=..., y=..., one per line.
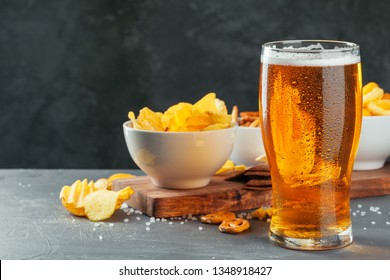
x=372, y=222
x=147, y=228
x=182, y=223
x=100, y=237
x=170, y=223
x=359, y=206
x=362, y=213
x=379, y=212
x=126, y=220
x=124, y=206
x=364, y=228
x=200, y=228
x=163, y=220
x=138, y=218
x=354, y=214
x=111, y=224
x=147, y=223
x=387, y=223
x=158, y=219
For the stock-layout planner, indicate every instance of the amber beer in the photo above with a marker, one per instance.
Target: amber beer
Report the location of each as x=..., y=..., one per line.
x=310, y=108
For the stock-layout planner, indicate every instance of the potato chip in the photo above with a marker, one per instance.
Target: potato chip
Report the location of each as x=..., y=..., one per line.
x=374, y=94
x=101, y=184
x=123, y=195
x=230, y=166
x=209, y=113
x=100, y=205
x=369, y=87
x=117, y=176
x=73, y=197
x=150, y=120
x=262, y=213
x=379, y=107
x=70, y=206
x=366, y=112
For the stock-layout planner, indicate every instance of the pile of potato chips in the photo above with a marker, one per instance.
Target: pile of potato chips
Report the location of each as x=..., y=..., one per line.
x=95, y=200
x=375, y=101
x=209, y=113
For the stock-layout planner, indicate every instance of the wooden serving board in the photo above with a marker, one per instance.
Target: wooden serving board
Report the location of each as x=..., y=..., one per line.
x=229, y=195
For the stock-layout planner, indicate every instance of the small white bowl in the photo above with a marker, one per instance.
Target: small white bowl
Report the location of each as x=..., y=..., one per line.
x=374, y=145
x=248, y=146
x=179, y=160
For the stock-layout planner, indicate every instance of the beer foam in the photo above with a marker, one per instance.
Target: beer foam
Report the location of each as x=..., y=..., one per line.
x=292, y=57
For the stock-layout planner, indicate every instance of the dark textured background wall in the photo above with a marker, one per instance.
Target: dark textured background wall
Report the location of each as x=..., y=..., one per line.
x=71, y=70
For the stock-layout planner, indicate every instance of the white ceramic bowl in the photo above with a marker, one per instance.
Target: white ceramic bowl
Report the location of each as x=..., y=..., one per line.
x=179, y=160
x=374, y=145
x=247, y=146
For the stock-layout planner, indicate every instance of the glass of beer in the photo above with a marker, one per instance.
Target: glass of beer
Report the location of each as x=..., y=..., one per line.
x=310, y=105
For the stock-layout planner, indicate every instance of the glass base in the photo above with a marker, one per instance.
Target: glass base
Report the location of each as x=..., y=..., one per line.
x=326, y=243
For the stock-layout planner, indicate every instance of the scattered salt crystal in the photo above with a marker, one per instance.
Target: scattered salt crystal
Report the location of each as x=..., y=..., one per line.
x=170, y=223
x=364, y=228
x=96, y=224
x=152, y=220
x=379, y=212
x=387, y=223
x=138, y=212
x=182, y=223
x=158, y=219
x=147, y=228
x=28, y=185
x=362, y=213
x=128, y=213
x=126, y=220
x=194, y=218
x=268, y=220
x=200, y=228
x=94, y=229
x=372, y=222
x=374, y=209
x=249, y=216
x=124, y=205
x=357, y=211
x=100, y=237
x=147, y=223
x=163, y=220
x=354, y=214
x=138, y=218
x=20, y=184
x=111, y=224
x=359, y=206
x=185, y=220
x=131, y=210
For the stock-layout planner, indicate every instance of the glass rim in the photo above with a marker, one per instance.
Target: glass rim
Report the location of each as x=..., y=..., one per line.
x=344, y=46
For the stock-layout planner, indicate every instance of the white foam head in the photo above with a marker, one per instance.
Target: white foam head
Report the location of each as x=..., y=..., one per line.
x=314, y=55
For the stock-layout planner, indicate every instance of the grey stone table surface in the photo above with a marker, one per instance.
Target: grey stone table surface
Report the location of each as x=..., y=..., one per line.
x=34, y=225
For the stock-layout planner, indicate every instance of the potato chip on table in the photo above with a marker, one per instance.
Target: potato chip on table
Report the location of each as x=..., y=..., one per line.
x=80, y=198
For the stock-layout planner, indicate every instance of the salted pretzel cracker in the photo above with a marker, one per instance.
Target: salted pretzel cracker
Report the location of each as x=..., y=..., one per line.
x=235, y=114
x=217, y=217
x=235, y=225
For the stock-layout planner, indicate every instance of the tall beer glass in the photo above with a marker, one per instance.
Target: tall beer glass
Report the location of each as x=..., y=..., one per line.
x=310, y=109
